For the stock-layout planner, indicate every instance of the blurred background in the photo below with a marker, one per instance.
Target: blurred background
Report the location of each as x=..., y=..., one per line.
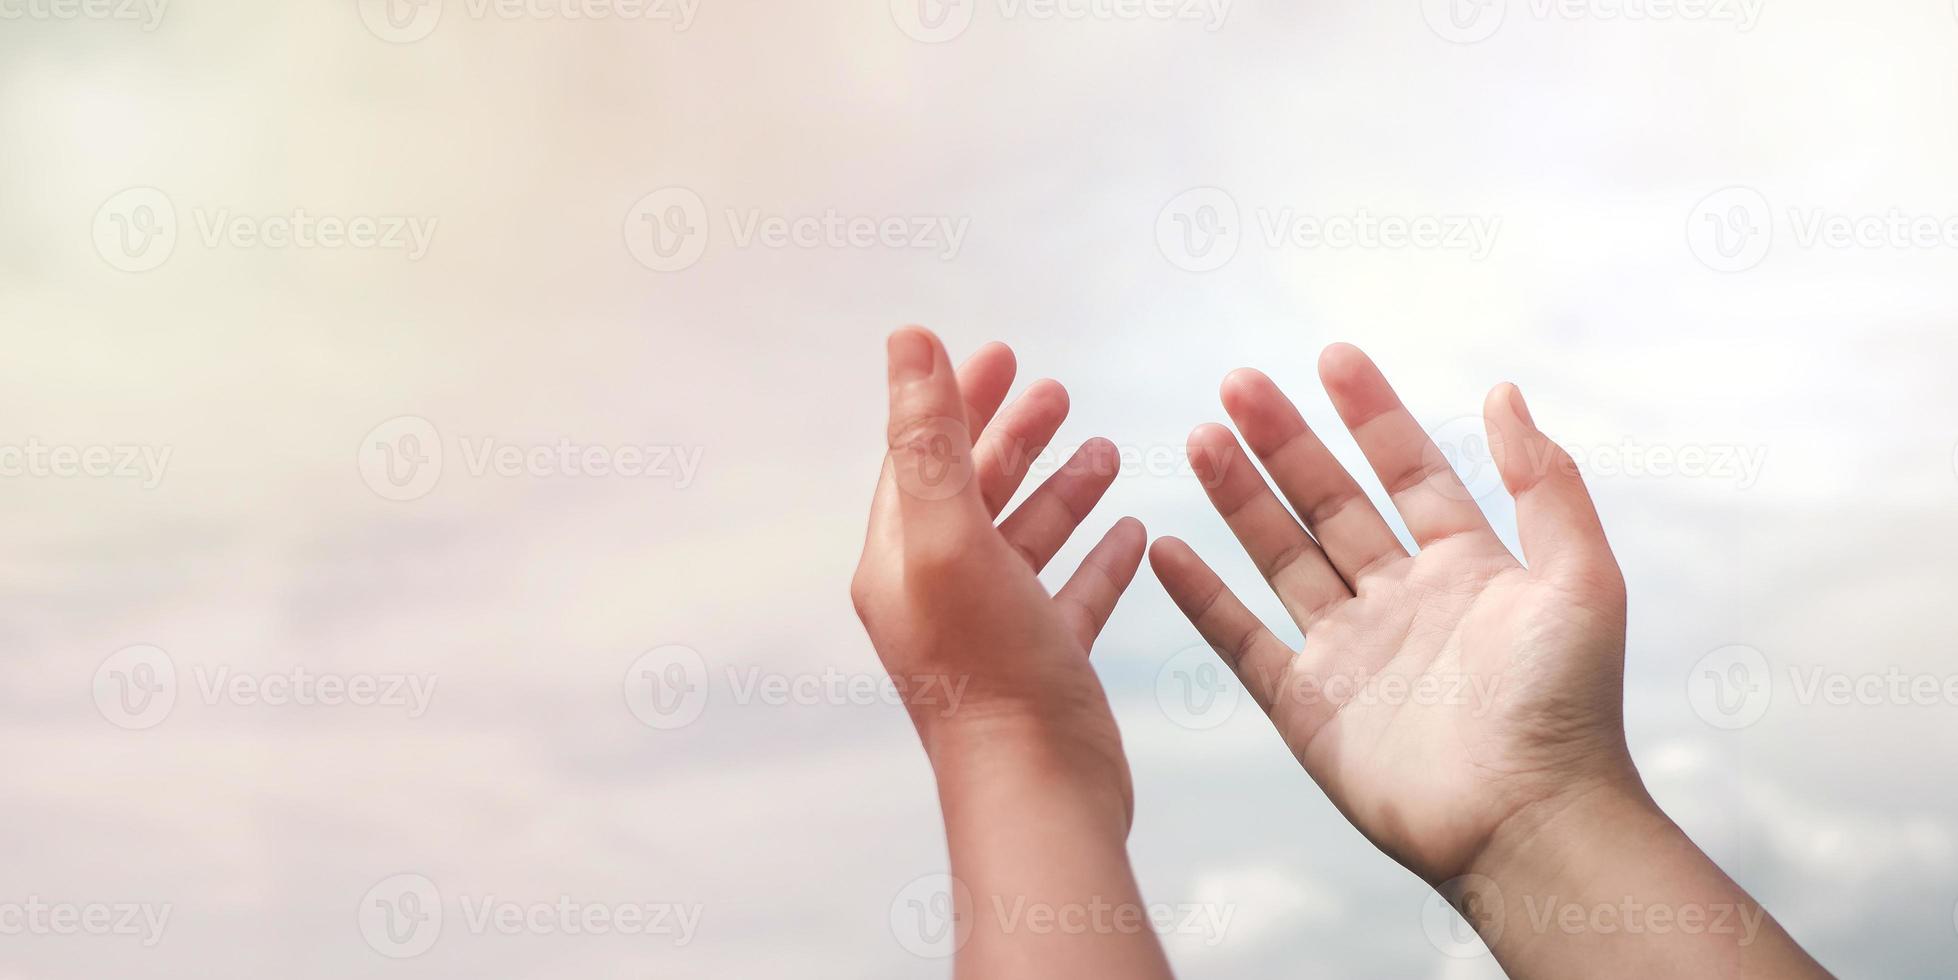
x=435, y=438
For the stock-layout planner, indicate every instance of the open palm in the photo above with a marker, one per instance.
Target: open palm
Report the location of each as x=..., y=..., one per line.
x=951, y=599
x=1442, y=694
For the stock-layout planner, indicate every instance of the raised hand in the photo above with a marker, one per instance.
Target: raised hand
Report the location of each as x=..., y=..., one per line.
x=1029, y=764
x=948, y=596
x=1440, y=694
x=1462, y=709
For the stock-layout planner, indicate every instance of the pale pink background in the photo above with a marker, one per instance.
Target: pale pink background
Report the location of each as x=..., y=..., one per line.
x=1060, y=142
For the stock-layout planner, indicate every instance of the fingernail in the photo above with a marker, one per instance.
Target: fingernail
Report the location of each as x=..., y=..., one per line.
x=910, y=353
x=1522, y=410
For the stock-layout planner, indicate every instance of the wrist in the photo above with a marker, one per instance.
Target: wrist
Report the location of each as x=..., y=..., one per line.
x=1592, y=818
x=990, y=756
x=1549, y=853
x=1601, y=875
x=1036, y=823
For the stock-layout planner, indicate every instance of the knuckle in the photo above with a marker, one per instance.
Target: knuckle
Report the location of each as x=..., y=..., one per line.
x=940, y=556
x=933, y=561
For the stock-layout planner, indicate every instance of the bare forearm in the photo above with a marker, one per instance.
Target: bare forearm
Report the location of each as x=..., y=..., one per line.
x=1038, y=838
x=1606, y=885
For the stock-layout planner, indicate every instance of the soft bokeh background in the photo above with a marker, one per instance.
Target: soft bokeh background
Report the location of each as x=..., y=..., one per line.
x=1639, y=314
